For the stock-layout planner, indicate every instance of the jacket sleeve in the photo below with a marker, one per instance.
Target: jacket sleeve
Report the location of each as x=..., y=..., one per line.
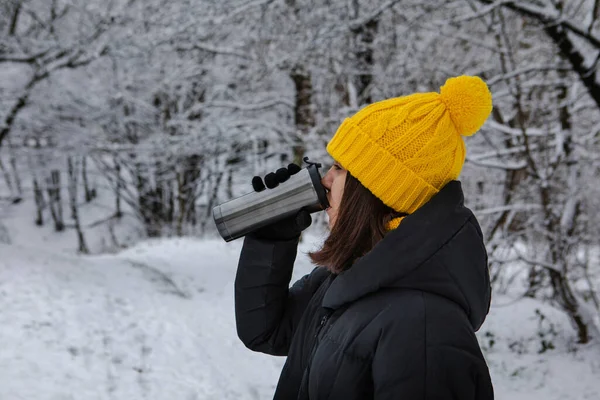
x=267, y=310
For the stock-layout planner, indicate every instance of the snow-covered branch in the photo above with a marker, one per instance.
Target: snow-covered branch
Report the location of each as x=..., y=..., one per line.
x=511, y=207
x=362, y=21
x=515, y=131
x=483, y=11
x=508, y=166
x=543, y=264
x=215, y=50
x=526, y=70
x=249, y=106
x=241, y=9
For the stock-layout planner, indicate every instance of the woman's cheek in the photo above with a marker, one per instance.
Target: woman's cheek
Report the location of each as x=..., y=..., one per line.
x=338, y=197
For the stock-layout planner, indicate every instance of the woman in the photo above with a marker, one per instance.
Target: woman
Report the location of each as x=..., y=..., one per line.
x=402, y=281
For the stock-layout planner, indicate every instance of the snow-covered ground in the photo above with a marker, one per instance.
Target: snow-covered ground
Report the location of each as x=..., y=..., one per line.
x=156, y=321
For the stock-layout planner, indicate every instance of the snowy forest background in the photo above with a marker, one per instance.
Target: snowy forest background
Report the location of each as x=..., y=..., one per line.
x=127, y=120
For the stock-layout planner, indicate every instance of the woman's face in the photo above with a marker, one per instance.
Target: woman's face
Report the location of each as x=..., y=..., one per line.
x=334, y=181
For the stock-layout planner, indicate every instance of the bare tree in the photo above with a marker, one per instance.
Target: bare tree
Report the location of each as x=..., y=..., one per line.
x=42, y=52
x=540, y=136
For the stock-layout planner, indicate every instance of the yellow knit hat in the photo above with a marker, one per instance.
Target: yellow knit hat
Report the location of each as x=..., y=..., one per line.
x=405, y=149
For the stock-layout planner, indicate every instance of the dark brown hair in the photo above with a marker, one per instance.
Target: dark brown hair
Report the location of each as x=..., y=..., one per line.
x=359, y=226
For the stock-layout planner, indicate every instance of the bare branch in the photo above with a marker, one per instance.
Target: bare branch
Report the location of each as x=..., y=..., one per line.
x=14, y=18
x=247, y=107
x=32, y=59
x=511, y=207
x=16, y=108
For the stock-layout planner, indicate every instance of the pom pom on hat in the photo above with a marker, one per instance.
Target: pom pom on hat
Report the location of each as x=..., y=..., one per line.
x=469, y=102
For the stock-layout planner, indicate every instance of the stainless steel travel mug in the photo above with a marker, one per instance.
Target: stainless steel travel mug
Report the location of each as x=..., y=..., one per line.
x=242, y=215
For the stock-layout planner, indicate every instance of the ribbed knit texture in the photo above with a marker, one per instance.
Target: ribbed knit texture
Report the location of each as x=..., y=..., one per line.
x=405, y=149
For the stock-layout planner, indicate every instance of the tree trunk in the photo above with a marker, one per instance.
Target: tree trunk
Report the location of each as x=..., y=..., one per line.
x=38, y=196
x=147, y=203
x=364, y=36
x=562, y=291
x=187, y=186
x=213, y=198
x=73, y=170
x=157, y=196
x=560, y=282
x=170, y=214
x=304, y=118
x=140, y=183
x=229, y=185
x=7, y=178
x=18, y=106
x=90, y=194
x=118, y=187
x=181, y=202
x=513, y=177
x=55, y=200
x=564, y=295
x=17, y=178
x=192, y=177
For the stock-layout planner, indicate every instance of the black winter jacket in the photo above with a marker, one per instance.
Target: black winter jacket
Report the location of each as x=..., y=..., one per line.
x=399, y=324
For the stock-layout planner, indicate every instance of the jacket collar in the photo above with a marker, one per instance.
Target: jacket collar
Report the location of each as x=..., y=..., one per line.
x=403, y=250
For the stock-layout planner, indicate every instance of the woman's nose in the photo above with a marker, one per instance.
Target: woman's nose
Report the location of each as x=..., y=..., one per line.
x=326, y=181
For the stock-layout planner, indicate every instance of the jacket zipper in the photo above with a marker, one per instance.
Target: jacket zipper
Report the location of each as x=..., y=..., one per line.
x=304, y=381
x=317, y=341
x=321, y=325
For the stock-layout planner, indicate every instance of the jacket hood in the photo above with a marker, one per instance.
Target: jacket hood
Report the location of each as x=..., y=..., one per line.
x=438, y=249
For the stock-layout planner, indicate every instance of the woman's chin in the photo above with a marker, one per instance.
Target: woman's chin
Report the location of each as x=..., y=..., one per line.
x=329, y=222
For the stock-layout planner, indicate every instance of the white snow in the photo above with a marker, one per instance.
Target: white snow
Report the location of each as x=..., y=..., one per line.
x=156, y=321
